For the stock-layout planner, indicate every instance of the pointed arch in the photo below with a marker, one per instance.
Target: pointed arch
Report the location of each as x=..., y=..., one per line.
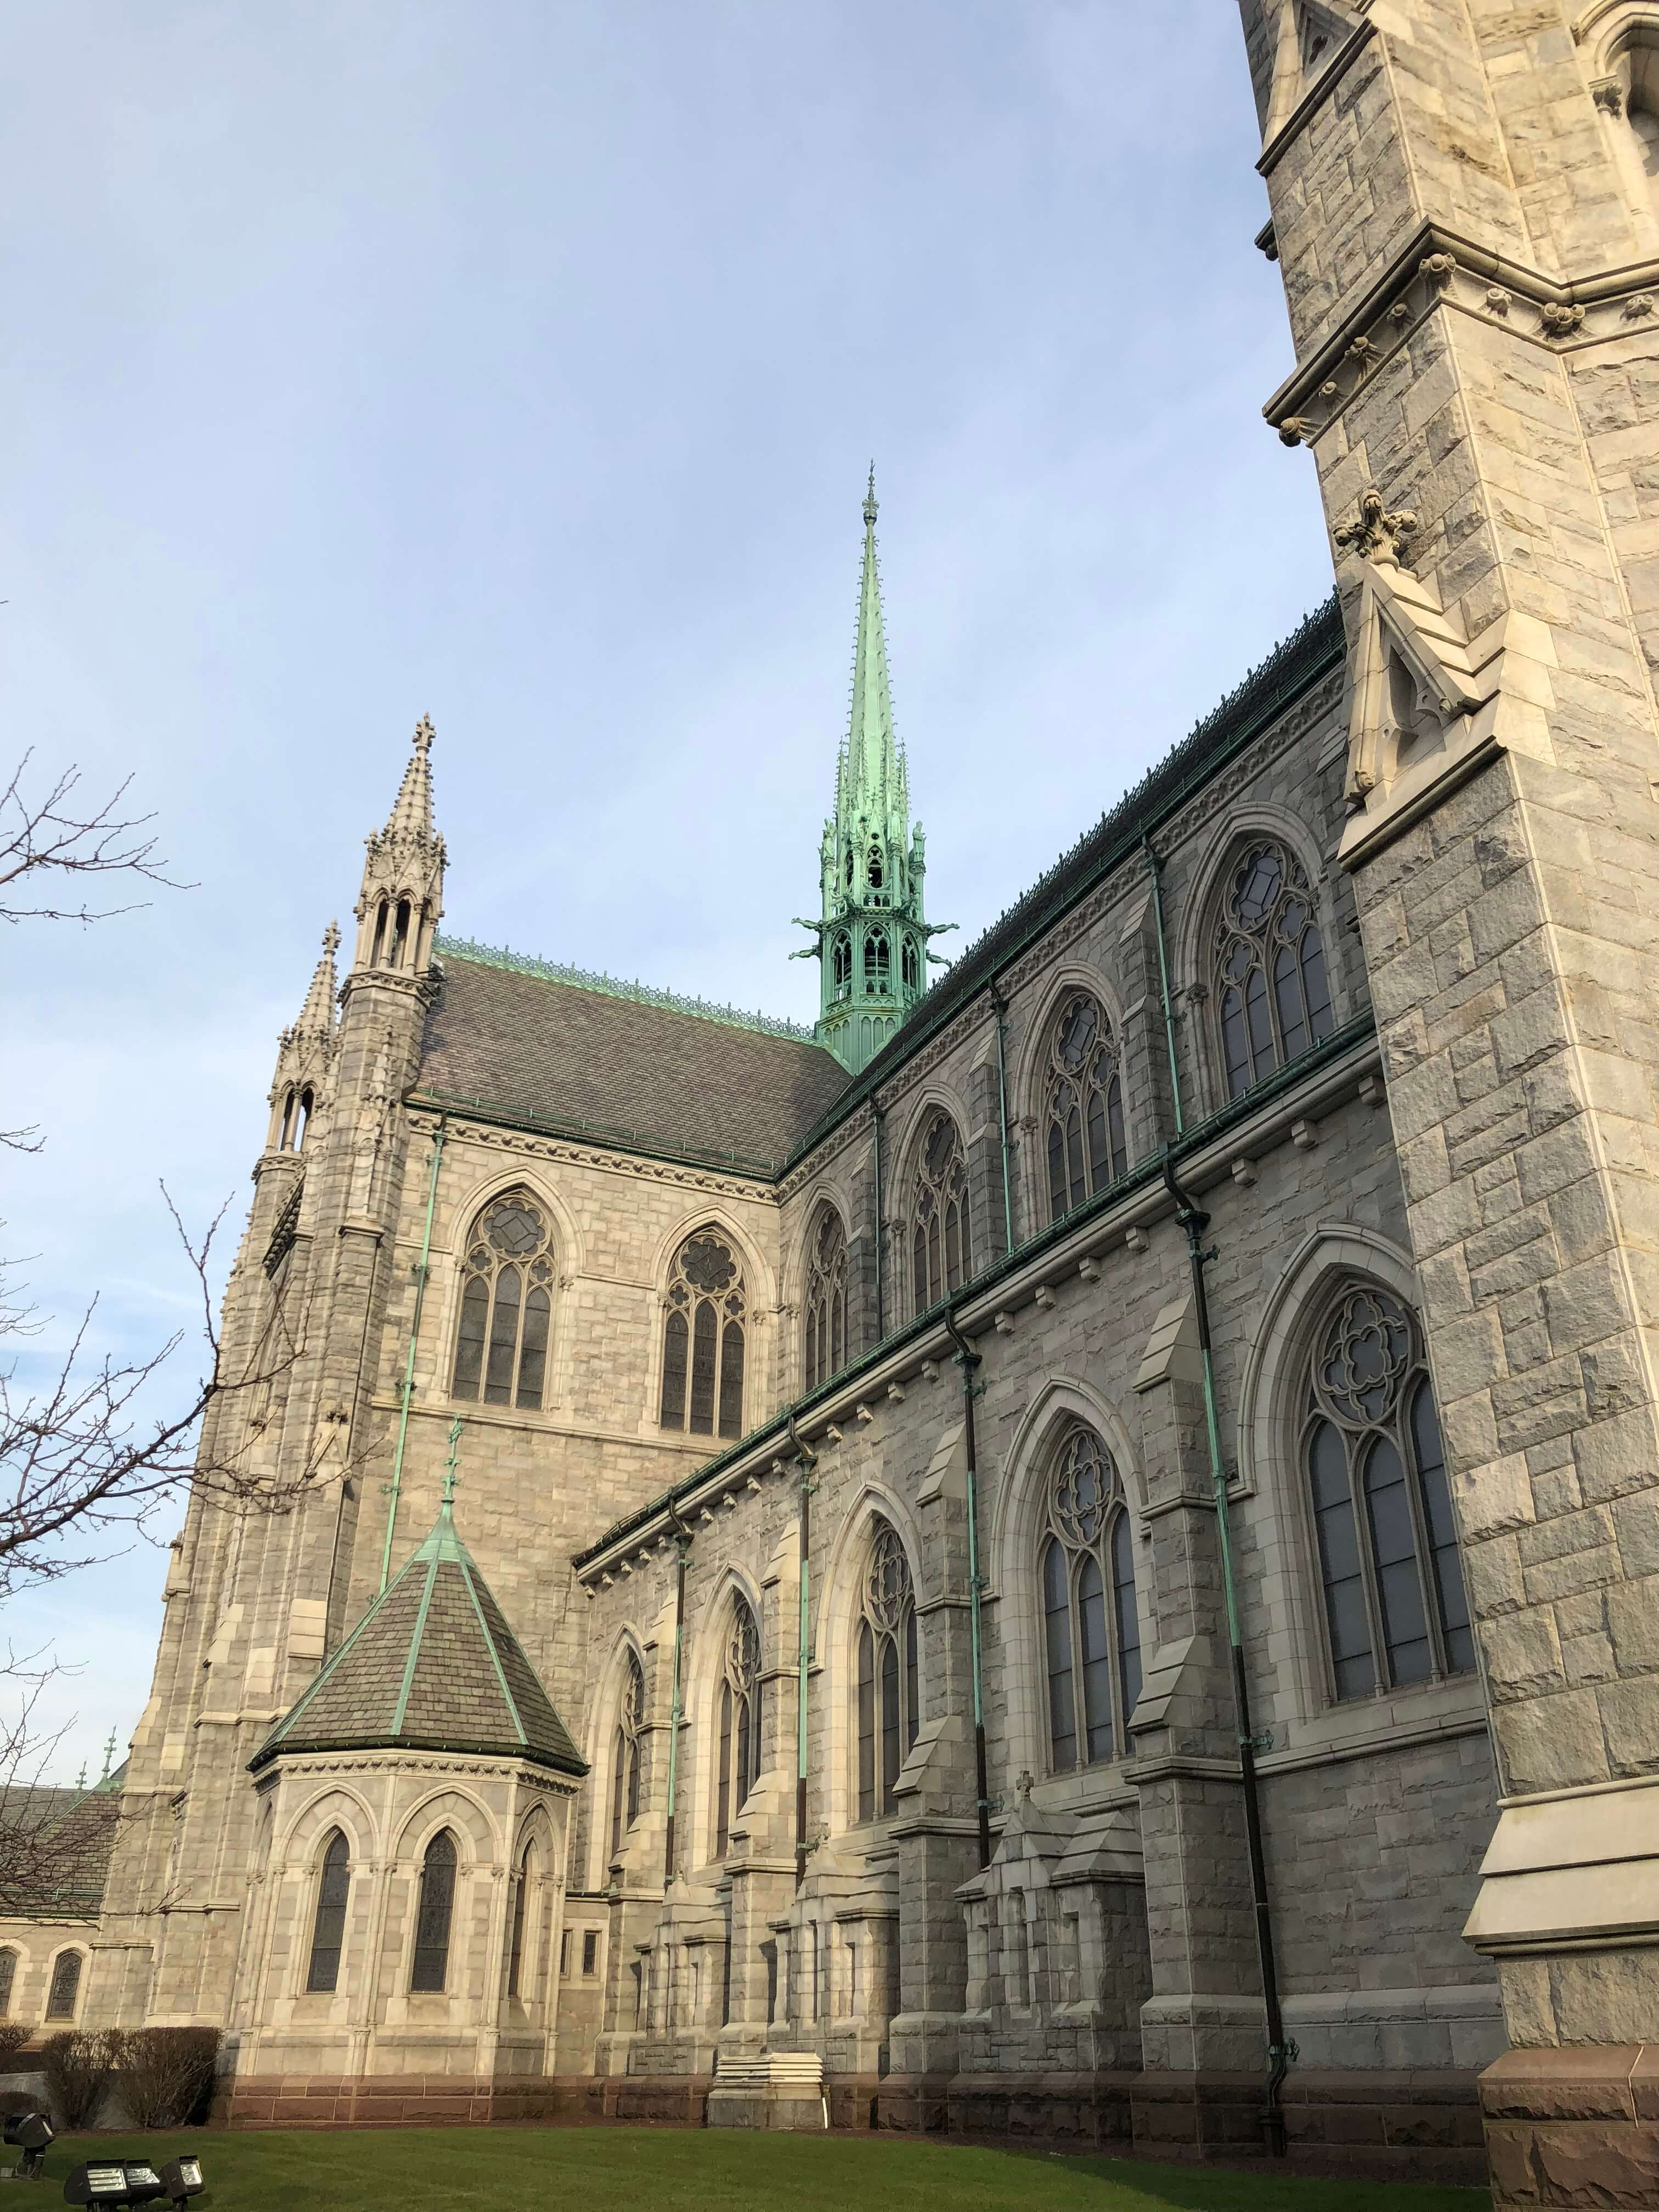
x=509, y=1282
x=931, y=1217
x=825, y=1267
x=707, y=1316
x=836, y=1651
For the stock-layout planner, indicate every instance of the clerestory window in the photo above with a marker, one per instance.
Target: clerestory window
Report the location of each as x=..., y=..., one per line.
x=940, y=1245
x=703, y=1364
x=1273, y=998
x=825, y=1300
x=1082, y=1105
x=507, y=1305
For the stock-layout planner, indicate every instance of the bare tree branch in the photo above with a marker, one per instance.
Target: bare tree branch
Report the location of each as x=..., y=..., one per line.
x=50, y=836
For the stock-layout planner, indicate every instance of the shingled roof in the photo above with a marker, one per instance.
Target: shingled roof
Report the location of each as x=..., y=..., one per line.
x=432, y=1666
x=521, y=1042
x=55, y=1848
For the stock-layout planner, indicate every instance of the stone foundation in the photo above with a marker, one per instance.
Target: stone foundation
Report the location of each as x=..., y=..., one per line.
x=1419, y=2127
x=1574, y=2126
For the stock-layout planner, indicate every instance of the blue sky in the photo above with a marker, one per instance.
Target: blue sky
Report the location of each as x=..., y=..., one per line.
x=521, y=364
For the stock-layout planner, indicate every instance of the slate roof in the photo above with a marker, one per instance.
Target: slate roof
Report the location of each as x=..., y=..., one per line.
x=432, y=1666
x=55, y=1848
x=650, y=1077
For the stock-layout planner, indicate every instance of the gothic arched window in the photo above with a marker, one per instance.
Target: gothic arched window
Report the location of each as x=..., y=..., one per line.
x=1082, y=1105
x=702, y=1339
x=63, y=1991
x=1395, y=1612
x=875, y=874
x=878, y=962
x=841, y=963
x=328, y=1923
x=889, y=1697
x=522, y=1884
x=625, y=1755
x=430, y=1965
x=940, y=1247
x=8, y=1977
x=1091, y=1626
x=911, y=966
x=1272, y=999
x=825, y=1301
x=507, y=1305
x=739, y=1728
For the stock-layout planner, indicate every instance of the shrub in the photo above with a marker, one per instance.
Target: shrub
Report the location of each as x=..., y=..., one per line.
x=78, y=2065
x=166, y=2074
x=15, y=2034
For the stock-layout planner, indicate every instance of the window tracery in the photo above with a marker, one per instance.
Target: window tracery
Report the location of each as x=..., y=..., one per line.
x=889, y=1690
x=878, y=962
x=63, y=1991
x=912, y=967
x=625, y=1755
x=430, y=1966
x=1272, y=991
x=739, y=1730
x=703, y=1339
x=1091, y=1623
x=825, y=1301
x=841, y=963
x=328, y=1923
x=507, y=1305
x=940, y=1245
x=1082, y=1105
x=1390, y=1573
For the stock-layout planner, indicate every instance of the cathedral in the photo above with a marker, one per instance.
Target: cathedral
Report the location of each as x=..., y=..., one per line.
x=1073, y=1552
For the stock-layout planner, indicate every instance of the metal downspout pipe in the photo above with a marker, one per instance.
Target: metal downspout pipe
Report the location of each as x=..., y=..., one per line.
x=1280, y=2052
x=967, y=1360
x=879, y=1115
x=807, y=1461
x=682, y=1546
x=1000, y=1004
x=394, y=1488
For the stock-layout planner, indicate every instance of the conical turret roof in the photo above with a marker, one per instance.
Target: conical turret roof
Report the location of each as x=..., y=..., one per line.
x=317, y=1015
x=411, y=812
x=432, y=1666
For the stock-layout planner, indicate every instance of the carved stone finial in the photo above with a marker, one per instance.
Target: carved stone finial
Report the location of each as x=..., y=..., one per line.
x=1376, y=534
x=424, y=734
x=869, y=508
x=331, y=938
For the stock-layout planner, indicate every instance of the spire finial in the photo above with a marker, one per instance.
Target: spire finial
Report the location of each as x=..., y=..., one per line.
x=870, y=507
x=451, y=1478
x=330, y=940
x=424, y=734
x=109, y=1754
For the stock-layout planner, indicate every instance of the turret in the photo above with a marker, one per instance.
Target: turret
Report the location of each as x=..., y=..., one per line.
x=402, y=899
x=871, y=935
x=305, y=1058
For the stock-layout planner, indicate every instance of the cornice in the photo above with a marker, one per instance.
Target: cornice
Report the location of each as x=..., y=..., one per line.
x=1437, y=268
x=510, y=1137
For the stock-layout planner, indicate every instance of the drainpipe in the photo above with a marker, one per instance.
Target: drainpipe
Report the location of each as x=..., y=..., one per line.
x=807, y=1461
x=967, y=1360
x=1280, y=2052
x=1157, y=867
x=394, y=1488
x=879, y=1114
x=682, y=1546
x=1001, y=1005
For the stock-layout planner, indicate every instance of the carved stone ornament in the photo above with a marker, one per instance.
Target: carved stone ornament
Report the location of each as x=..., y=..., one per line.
x=1376, y=534
x=1639, y=305
x=1295, y=428
x=1438, y=268
x=1560, y=320
x=1498, y=300
x=1609, y=93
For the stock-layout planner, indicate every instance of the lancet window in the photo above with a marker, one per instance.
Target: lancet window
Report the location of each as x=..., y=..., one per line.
x=739, y=1721
x=625, y=1755
x=328, y=1923
x=296, y=1120
x=1082, y=1105
x=877, y=961
x=841, y=963
x=430, y=1965
x=63, y=1991
x=703, y=1340
x=825, y=1300
x=507, y=1305
x=1272, y=997
x=888, y=1690
x=940, y=1246
x=8, y=1977
x=521, y=1884
x=1091, y=1626
x=1392, y=1580
x=912, y=967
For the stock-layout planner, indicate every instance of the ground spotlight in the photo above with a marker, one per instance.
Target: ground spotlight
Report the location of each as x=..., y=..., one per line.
x=29, y=2132
x=181, y=2178
x=111, y=2181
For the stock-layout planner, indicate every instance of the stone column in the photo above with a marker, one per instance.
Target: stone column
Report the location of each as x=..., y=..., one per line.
x=1467, y=266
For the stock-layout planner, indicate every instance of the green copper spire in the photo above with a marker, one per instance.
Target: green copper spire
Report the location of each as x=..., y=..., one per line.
x=871, y=938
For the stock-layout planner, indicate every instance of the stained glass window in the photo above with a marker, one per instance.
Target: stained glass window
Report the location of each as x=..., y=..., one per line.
x=432, y=1918
x=625, y=1763
x=1273, y=998
x=1090, y=1620
x=1082, y=1106
x=328, y=1924
x=889, y=1709
x=703, y=1364
x=507, y=1305
x=940, y=1246
x=740, y=1731
x=825, y=1299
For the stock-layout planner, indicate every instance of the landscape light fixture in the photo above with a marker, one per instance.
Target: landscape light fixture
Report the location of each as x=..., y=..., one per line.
x=29, y=2132
x=181, y=2178
x=113, y=2181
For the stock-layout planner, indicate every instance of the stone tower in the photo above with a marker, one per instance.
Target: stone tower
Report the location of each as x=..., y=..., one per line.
x=872, y=934
x=1464, y=213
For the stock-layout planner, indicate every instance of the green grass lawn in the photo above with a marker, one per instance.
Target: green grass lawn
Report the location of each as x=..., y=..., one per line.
x=617, y=2169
